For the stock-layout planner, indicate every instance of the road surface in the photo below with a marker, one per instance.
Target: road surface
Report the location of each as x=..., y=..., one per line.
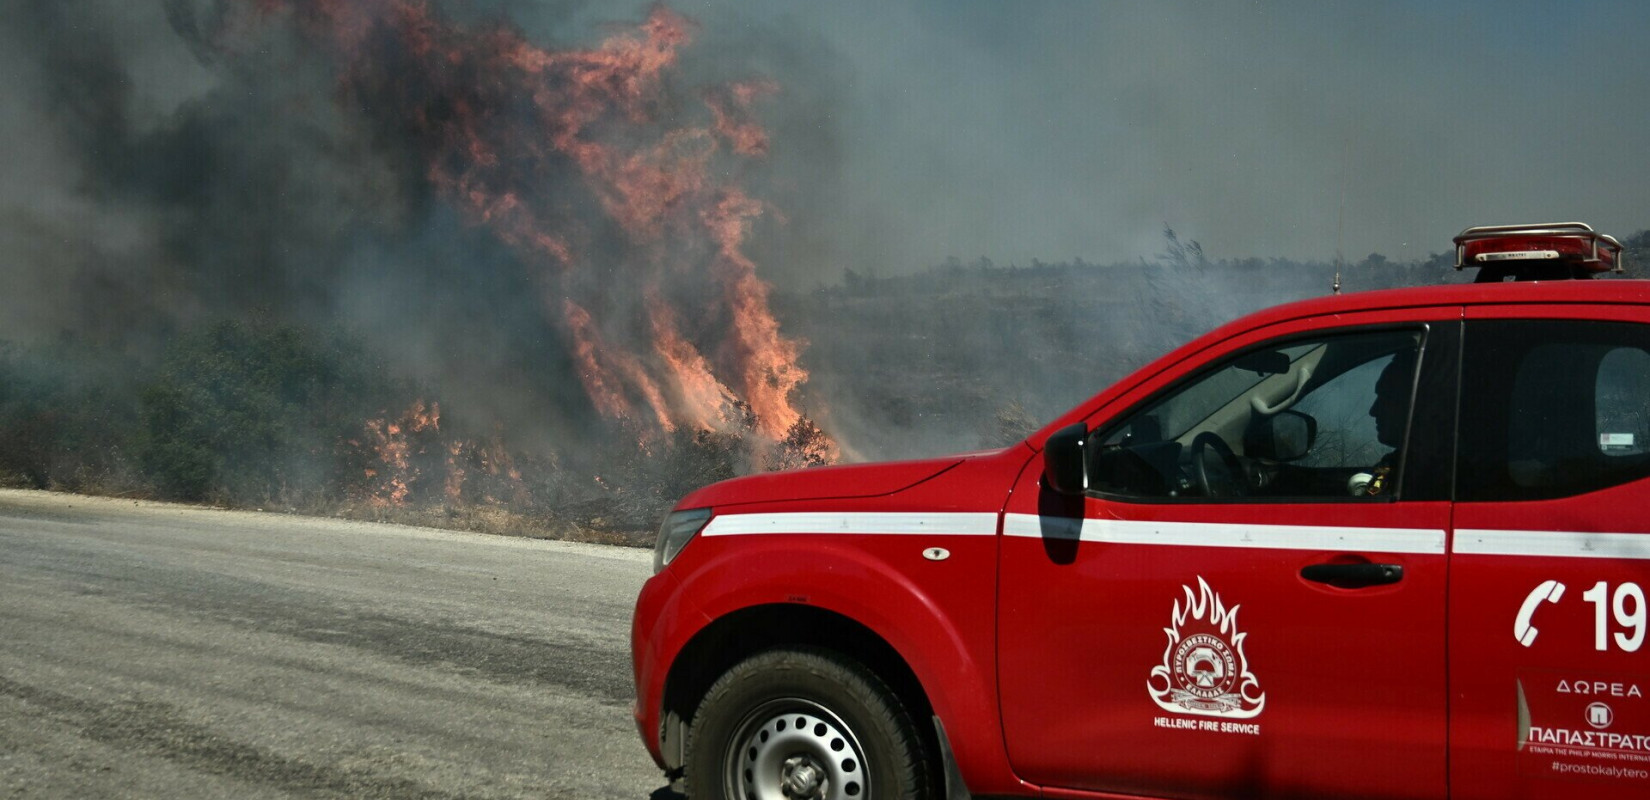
x=149, y=650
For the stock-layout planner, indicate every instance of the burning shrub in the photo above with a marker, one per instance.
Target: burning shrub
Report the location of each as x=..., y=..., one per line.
x=804, y=445
x=408, y=460
x=405, y=458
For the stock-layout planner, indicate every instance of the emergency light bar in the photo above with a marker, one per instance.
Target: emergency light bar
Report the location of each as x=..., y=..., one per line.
x=1533, y=252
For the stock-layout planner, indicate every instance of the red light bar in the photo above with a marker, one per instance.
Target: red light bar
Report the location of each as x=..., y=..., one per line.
x=1573, y=244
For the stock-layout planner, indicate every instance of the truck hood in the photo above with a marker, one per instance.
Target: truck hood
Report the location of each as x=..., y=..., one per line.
x=821, y=483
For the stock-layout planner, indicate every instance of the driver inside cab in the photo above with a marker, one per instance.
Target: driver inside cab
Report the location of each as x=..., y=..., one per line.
x=1390, y=414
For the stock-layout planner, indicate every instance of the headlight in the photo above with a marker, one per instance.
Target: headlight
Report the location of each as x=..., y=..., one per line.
x=679, y=527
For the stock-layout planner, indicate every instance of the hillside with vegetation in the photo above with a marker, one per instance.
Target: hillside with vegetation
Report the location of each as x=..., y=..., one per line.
x=957, y=356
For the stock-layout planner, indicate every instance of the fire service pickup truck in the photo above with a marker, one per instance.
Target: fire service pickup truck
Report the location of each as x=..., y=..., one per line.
x=1386, y=544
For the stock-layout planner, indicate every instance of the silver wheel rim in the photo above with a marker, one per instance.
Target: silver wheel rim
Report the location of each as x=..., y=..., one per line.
x=795, y=749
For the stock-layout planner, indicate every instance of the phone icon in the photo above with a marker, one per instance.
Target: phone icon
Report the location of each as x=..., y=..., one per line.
x=1547, y=592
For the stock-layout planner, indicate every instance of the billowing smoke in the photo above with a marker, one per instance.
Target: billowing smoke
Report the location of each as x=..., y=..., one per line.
x=603, y=181
x=557, y=221
x=549, y=234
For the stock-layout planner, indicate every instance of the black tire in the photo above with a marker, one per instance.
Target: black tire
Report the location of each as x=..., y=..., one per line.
x=856, y=740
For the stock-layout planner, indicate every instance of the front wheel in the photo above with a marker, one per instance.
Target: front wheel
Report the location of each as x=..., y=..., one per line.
x=803, y=725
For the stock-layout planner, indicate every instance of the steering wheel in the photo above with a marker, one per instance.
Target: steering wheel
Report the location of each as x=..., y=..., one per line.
x=1224, y=480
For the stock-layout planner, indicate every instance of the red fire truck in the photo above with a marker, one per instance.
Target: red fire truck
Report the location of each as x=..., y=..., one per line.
x=1387, y=544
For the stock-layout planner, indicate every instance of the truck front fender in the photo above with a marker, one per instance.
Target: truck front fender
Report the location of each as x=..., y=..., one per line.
x=936, y=613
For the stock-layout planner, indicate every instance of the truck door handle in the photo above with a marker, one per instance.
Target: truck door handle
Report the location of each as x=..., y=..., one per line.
x=1353, y=576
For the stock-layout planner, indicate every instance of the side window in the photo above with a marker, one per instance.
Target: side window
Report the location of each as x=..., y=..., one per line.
x=1553, y=408
x=1320, y=418
x=1347, y=435
x=1622, y=395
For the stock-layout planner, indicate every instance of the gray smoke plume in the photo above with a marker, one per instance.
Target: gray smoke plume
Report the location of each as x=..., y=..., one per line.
x=182, y=161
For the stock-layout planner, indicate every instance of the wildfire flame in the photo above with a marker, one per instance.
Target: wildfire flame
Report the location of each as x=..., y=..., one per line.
x=709, y=403
x=407, y=453
x=393, y=475
x=503, y=124
x=731, y=109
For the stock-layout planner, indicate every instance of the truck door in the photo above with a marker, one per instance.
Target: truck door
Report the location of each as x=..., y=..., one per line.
x=1549, y=662
x=1249, y=598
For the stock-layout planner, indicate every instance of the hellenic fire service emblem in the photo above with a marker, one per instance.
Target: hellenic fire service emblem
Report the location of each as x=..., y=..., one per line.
x=1204, y=670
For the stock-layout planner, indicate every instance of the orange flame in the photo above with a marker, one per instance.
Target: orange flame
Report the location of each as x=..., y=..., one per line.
x=767, y=360
x=707, y=402
x=392, y=446
x=731, y=111
x=608, y=372
x=406, y=453
x=454, y=487
x=599, y=383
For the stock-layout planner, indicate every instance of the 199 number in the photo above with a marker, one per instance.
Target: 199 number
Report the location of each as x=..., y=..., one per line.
x=1627, y=606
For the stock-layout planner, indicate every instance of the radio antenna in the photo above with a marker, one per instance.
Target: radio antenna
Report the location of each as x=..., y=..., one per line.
x=1340, y=216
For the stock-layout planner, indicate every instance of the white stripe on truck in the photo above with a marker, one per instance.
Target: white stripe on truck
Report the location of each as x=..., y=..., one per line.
x=1553, y=544
x=1235, y=535
x=859, y=523
x=1546, y=544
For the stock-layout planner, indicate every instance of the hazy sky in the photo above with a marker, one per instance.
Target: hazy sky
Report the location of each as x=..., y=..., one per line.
x=1059, y=129
x=906, y=132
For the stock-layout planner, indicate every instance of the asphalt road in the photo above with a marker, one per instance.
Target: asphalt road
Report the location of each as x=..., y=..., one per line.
x=149, y=650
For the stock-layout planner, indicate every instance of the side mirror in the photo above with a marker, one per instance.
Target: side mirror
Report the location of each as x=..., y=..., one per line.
x=1284, y=436
x=1065, y=459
